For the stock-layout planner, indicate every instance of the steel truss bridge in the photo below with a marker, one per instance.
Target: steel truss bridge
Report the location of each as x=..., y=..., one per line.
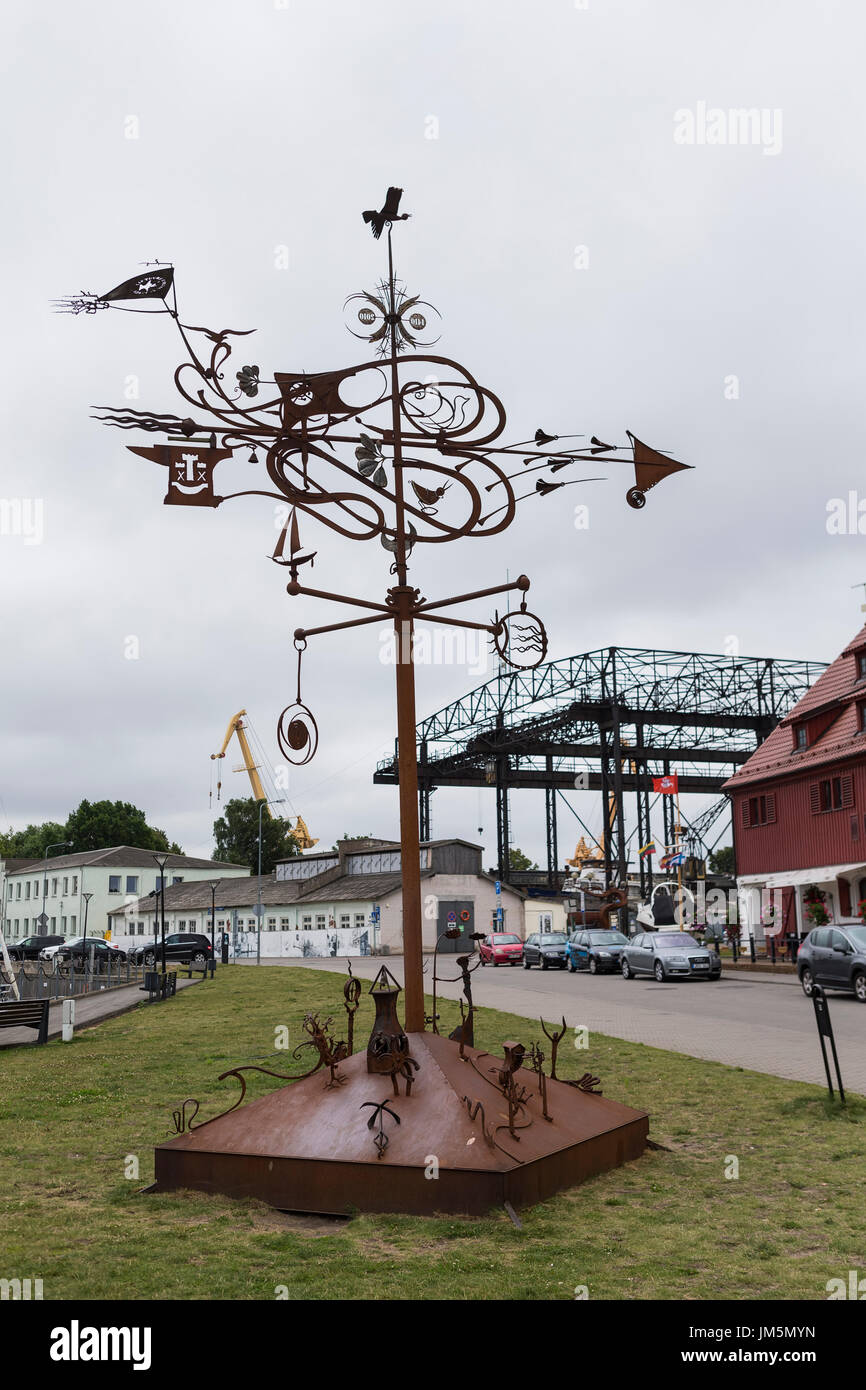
x=610, y=721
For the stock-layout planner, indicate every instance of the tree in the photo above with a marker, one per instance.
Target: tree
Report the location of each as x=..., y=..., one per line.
x=519, y=861
x=347, y=836
x=31, y=843
x=98, y=824
x=722, y=861
x=236, y=834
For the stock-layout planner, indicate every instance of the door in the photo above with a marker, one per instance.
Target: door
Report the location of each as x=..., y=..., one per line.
x=821, y=954
x=838, y=965
x=643, y=956
x=458, y=913
x=530, y=951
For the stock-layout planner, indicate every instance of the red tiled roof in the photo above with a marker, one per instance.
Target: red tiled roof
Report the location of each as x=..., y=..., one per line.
x=839, y=685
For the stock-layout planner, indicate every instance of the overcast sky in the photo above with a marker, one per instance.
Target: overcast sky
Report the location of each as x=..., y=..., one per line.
x=715, y=309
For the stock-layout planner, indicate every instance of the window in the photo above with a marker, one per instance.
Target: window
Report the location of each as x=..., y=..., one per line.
x=759, y=810
x=831, y=794
x=545, y=921
x=801, y=736
x=65, y=886
x=272, y=924
x=74, y=885
x=27, y=891
x=62, y=925
x=360, y=921
x=861, y=665
x=345, y=921
x=114, y=883
x=73, y=924
x=132, y=883
x=284, y=924
x=177, y=878
x=54, y=888
x=861, y=717
x=306, y=922
x=18, y=893
x=321, y=921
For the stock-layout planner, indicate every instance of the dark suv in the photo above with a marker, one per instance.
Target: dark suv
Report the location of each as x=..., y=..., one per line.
x=836, y=958
x=29, y=948
x=184, y=947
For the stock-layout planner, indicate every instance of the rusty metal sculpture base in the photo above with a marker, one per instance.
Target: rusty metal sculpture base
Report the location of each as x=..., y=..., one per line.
x=303, y=1148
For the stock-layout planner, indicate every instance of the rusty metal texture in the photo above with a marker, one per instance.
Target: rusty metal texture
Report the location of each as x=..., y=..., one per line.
x=308, y=1149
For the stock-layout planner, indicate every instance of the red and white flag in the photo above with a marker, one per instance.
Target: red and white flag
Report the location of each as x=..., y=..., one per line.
x=668, y=786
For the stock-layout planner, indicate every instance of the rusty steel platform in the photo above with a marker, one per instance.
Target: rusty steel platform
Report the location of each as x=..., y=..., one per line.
x=314, y=1147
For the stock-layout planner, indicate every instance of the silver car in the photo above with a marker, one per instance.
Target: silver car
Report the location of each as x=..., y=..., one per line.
x=670, y=955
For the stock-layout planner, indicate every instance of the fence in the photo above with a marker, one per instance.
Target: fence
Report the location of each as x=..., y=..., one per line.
x=63, y=980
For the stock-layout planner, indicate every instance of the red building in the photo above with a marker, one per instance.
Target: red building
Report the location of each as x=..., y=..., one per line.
x=799, y=804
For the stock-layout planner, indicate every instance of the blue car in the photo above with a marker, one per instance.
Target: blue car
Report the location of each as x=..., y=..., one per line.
x=595, y=950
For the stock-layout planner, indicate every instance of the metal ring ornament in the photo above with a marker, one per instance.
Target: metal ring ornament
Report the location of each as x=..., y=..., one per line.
x=519, y=632
x=297, y=734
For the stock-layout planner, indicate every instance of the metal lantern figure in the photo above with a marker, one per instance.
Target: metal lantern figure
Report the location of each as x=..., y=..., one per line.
x=405, y=447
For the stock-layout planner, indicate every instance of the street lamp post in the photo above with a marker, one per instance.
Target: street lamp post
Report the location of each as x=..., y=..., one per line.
x=86, y=897
x=161, y=863
x=213, y=886
x=262, y=805
x=56, y=844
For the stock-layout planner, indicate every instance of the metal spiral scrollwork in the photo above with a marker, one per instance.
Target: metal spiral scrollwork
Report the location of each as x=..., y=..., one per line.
x=297, y=730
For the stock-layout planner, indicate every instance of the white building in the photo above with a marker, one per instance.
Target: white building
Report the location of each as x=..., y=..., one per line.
x=113, y=877
x=341, y=902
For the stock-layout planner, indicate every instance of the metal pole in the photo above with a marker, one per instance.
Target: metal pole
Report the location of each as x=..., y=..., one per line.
x=410, y=862
x=259, y=895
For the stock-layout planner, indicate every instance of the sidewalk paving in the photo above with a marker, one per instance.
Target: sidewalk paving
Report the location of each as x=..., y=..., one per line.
x=89, y=1009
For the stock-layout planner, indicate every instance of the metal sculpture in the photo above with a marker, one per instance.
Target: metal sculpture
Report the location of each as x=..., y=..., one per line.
x=388, y=1047
x=380, y=1109
x=554, y=1038
x=405, y=447
x=351, y=1000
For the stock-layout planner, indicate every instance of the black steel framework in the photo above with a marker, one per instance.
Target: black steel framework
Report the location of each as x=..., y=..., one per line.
x=608, y=720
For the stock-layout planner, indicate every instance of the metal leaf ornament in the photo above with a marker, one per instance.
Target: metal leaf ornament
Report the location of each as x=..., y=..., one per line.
x=248, y=380
x=370, y=459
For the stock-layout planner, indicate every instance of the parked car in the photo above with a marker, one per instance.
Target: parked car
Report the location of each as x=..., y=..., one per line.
x=595, y=950
x=670, y=955
x=501, y=948
x=80, y=953
x=545, y=949
x=49, y=952
x=185, y=948
x=835, y=957
x=32, y=946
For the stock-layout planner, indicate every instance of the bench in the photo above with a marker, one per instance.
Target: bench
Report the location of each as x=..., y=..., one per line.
x=189, y=969
x=26, y=1013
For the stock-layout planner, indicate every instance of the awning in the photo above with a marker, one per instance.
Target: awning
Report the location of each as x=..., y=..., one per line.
x=796, y=878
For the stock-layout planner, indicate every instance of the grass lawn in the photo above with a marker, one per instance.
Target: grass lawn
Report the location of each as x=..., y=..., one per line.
x=669, y=1226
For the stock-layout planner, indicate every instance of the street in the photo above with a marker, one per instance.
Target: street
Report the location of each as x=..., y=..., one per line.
x=762, y=1023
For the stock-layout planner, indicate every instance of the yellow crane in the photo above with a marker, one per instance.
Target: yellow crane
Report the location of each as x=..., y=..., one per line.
x=237, y=726
x=300, y=833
